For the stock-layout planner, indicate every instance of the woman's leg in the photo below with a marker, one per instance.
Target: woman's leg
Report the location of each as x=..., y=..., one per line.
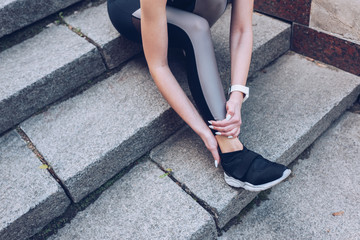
x=211, y=10
x=191, y=32
x=120, y=13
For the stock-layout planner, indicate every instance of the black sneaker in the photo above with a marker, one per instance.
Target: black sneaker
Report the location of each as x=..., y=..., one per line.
x=251, y=171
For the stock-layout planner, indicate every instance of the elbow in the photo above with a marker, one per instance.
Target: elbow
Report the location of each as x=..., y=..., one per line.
x=242, y=31
x=158, y=70
x=240, y=35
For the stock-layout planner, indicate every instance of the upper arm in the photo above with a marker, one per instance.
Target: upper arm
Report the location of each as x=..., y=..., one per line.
x=241, y=15
x=154, y=32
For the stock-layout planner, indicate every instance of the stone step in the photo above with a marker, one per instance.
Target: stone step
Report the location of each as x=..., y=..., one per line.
x=29, y=197
x=124, y=116
x=320, y=200
x=15, y=14
x=41, y=70
x=48, y=66
x=139, y=206
x=94, y=23
x=142, y=205
x=292, y=102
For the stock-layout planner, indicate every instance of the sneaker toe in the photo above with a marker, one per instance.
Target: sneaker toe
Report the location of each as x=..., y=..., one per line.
x=263, y=171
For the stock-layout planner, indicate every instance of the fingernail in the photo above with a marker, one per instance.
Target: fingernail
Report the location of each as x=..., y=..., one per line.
x=230, y=137
x=211, y=126
x=228, y=117
x=210, y=122
x=216, y=164
x=218, y=133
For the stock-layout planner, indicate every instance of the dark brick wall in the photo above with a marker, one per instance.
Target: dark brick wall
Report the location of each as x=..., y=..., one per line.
x=291, y=10
x=318, y=45
x=326, y=48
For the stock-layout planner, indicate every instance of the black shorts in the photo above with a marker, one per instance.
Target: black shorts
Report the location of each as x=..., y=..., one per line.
x=120, y=13
x=204, y=82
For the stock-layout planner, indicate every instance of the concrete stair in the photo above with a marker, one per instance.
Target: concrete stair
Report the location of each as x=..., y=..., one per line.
x=326, y=180
x=293, y=102
x=301, y=100
x=30, y=198
x=83, y=137
x=90, y=137
x=15, y=14
x=55, y=62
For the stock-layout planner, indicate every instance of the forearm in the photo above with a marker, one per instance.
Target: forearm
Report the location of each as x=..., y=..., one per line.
x=241, y=50
x=241, y=43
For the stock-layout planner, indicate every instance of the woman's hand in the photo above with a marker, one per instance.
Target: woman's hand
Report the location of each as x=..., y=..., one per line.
x=230, y=126
x=211, y=144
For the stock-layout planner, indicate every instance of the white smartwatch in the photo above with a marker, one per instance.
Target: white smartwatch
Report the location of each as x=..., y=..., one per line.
x=240, y=88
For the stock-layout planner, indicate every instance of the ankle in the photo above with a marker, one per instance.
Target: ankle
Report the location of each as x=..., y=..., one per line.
x=229, y=144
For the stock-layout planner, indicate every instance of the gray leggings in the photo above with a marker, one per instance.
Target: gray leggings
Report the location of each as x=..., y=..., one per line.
x=189, y=24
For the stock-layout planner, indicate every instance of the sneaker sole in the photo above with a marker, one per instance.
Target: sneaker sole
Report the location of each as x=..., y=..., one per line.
x=255, y=188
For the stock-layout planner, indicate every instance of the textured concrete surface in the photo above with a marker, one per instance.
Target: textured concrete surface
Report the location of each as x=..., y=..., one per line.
x=337, y=16
x=193, y=166
x=29, y=197
x=15, y=14
x=42, y=69
x=271, y=39
x=95, y=23
x=327, y=182
x=83, y=152
x=89, y=138
x=293, y=102
x=290, y=106
x=141, y=205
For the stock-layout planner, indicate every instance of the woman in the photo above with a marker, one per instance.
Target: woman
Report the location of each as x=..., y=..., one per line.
x=186, y=24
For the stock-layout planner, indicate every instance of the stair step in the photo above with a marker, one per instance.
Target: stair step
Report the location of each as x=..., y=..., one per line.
x=325, y=182
x=97, y=133
x=141, y=205
x=29, y=197
x=34, y=81
x=121, y=117
x=271, y=40
x=292, y=102
x=42, y=69
x=27, y=12
x=94, y=22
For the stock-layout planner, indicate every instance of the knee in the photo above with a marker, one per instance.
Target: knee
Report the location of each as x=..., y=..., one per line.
x=199, y=25
x=211, y=10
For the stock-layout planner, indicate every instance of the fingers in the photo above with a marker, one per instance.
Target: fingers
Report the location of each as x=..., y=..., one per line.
x=212, y=145
x=237, y=133
x=230, y=126
x=224, y=129
x=230, y=134
x=215, y=154
x=216, y=157
x=227, y=127
x=234, y=120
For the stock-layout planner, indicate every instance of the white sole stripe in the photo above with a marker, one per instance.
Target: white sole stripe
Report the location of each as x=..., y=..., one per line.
x=255, y=188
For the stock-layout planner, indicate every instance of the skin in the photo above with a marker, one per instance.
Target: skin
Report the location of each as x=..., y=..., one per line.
x=154, y=38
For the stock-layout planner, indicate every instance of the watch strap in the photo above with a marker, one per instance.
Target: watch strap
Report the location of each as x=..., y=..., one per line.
x=240, y=88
